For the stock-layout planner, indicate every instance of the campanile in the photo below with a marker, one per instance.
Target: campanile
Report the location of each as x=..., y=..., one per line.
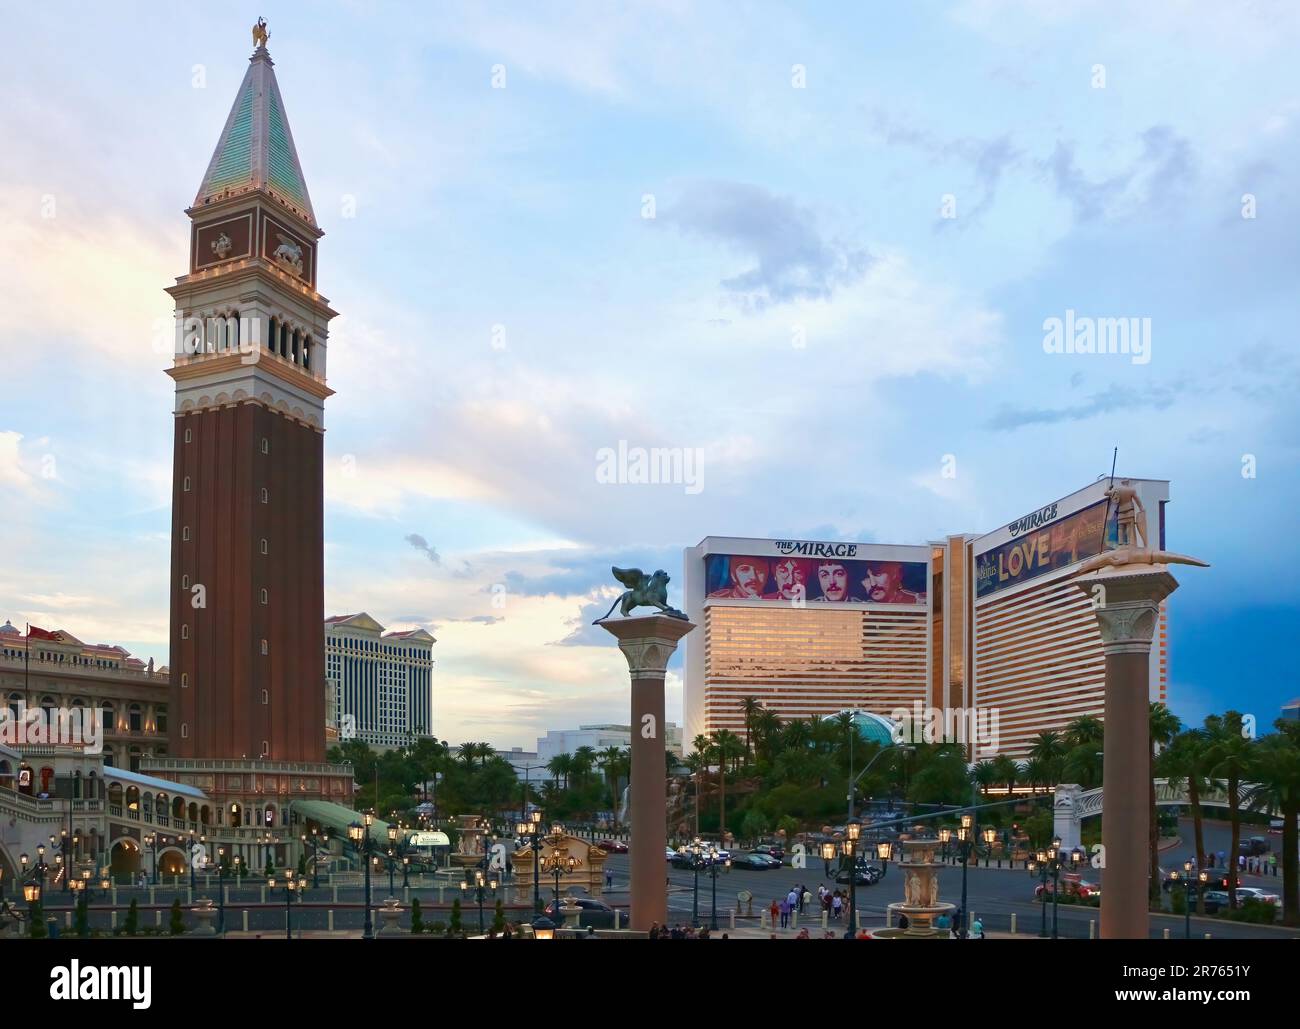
x=247, y=587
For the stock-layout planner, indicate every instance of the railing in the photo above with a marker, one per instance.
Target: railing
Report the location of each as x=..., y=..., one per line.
x=71, y=668
x=245, y=766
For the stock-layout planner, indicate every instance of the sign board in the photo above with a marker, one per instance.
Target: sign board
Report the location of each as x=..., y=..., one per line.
x=429, y=839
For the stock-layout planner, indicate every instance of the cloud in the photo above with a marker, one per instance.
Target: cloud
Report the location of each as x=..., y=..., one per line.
x=989, y=159
x=1154, y=179
x=793, y=259
x=421, y=544
x=1114, y=399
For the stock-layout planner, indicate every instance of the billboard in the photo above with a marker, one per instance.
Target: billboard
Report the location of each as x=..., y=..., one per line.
x=824, y=580
x=1055, y=545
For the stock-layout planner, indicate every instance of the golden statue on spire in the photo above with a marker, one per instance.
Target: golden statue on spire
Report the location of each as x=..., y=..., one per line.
x=260, y=35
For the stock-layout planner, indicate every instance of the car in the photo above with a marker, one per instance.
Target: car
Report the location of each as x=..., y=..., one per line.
x=669, y=854
x=594, y=913
x=774, y=849
x=1072, y=886
x=1255, y=893
x=864, y=875
x=755, y=862
x=1254, y=847
x=613, y=846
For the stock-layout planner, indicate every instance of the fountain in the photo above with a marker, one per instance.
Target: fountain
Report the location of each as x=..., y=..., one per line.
x=920, y=901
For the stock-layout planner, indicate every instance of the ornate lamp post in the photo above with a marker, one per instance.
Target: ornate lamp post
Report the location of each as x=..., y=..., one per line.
x=713, y=872
x=695, y=856
x=531, y=828
x=32, y=894
x=151, y=841
x=557, y=863
x=317, y=839
x=1048, y=864
x=65, y=847
x=291, y=886
x=480, y=886
x=360, y=837
x=1193, y=884
x=543, y=928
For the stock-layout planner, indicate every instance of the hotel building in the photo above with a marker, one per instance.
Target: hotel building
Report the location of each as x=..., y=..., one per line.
x=383, y=681
x=971, y=621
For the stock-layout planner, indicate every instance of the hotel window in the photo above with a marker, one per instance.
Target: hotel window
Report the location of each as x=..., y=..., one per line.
x=185, y=730
x=266, y=445
x=266, y=495
x=185, y=632
x=266, y=696
x=135, y=718
x=185, y=680
x=186, y=487
x=265, y=548
x=188, y=437
x=160, y=720
x=265, y=647
x=266, y=749
x=265, y=595
x=185, y=582
x=185, y=533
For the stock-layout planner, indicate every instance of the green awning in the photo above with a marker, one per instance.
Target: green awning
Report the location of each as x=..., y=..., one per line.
x=337, y=818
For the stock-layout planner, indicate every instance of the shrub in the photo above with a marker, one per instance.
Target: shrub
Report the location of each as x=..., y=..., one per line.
x=499, y=919
x=417, y=920
x=133, y=918
x=455, y=928
x=177, y=922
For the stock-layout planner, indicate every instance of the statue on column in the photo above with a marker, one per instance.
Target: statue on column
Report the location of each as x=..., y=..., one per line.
x=260, y=35
x=1134, y=547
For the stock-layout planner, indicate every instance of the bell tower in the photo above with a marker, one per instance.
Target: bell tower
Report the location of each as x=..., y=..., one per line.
x=247, y=582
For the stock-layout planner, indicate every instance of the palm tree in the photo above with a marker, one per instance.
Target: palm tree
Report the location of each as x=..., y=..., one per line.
x=467, y=752
x=561, y=767
x=984, y=775
x=1036, y=772
x=1277, y=788
x=1230, y=758
x=1164, y=726
x=767, y=728
x=584, y=758
x=751, y=707
x=1183, y=762
x=1007, y=770
x=611, y=761
x=1085, y=731
x=1049, y=748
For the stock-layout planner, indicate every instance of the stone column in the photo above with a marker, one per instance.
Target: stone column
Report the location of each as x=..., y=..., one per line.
x=648, y=642
x=1127, y=600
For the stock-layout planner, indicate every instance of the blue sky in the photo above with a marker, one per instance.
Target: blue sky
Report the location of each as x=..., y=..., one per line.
x=797, y=308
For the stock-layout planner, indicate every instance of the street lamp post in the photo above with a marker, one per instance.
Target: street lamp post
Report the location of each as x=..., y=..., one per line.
x=392, y=857
x=557, y=863
x=480, y=886
x=292, y=886
x=695, y=855
x=221, y=890
x=1192, y=884
x=66, y=847
x=151, y=841
x=360, y=836
x=531, y=827
x=966, y=845
x=318, y=837
x=1048, y=865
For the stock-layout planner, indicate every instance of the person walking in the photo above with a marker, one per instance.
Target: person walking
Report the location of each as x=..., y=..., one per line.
x=805, y=900
x=775, y=910
x=837, y=906
x=785, y=913
x=977, y=929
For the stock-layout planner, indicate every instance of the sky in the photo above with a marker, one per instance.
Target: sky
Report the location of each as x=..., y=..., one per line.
x=816, y=245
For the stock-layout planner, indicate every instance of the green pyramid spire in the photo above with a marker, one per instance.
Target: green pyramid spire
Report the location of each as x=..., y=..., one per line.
x=256, y=151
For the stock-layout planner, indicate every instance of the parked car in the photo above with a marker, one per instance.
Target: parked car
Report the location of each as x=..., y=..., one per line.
x=756, y=862
x=774, y=849
x=595, y=913
x=613, y=846
x=1255, y=893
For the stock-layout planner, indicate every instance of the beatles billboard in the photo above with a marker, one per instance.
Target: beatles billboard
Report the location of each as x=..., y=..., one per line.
x=1043, y=545
x=824, y=579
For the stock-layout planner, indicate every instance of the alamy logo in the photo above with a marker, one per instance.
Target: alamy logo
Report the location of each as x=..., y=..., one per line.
x=102, y=982
x=978, y=727
x=1084, y=335
x=23, y=726
x=678, y=466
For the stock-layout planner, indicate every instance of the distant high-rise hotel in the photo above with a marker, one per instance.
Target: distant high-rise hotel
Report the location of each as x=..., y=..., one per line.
x=989, y=622
x=383, y=681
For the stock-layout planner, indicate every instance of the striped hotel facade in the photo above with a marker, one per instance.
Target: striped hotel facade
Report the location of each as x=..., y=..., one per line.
x=1029, y=650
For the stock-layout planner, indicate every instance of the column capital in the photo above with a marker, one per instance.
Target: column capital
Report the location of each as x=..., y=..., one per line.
x=1126, y=600
x=647, y=642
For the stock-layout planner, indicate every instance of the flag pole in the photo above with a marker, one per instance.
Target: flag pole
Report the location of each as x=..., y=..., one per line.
x=1109, y=486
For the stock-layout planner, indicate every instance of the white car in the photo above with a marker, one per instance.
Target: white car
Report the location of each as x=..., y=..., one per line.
x=1254, y=893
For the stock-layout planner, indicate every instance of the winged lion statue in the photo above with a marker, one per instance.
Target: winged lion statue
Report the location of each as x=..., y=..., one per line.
x=642, y=591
